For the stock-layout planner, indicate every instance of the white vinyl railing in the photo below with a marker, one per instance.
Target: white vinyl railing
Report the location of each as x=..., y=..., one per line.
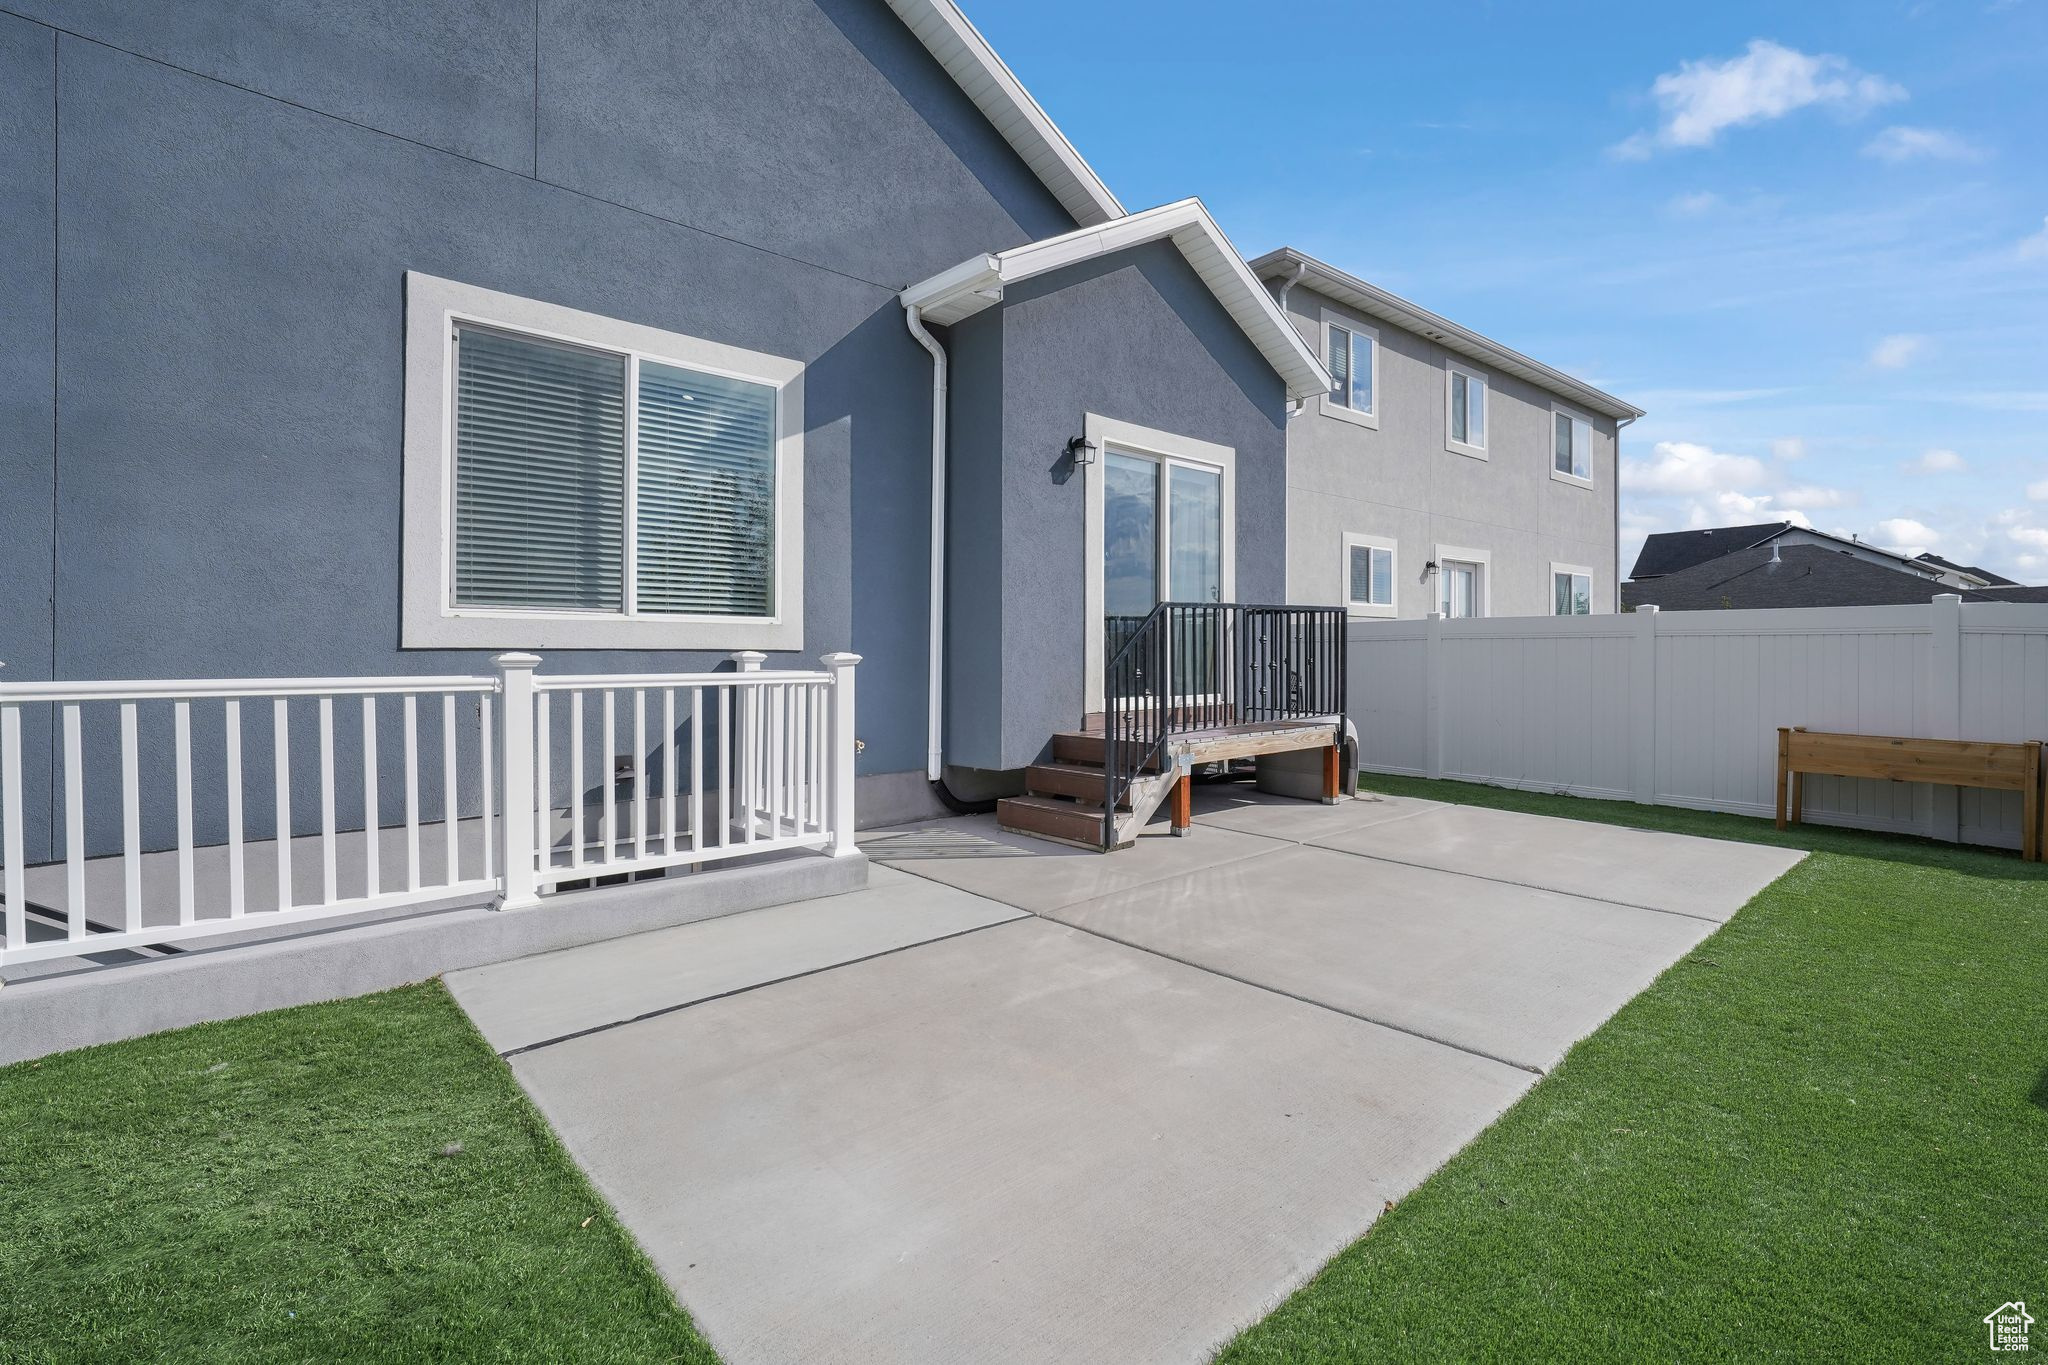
x=683, y=769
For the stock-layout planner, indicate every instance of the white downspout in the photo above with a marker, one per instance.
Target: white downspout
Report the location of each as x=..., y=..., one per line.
x=935, y=702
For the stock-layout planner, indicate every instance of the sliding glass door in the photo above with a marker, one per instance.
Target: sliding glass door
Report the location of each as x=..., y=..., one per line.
x=1162, y=526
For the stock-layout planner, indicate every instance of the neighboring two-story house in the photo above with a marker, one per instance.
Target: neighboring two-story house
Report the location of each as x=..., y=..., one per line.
x=1442, y=472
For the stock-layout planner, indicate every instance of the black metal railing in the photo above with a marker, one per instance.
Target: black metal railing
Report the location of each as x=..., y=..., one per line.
x=1191, y=666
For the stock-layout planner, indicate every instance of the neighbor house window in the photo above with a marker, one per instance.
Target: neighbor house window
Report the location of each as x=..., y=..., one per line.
x=1466, y=418
x=1369, y=575
x=1571, y=457
x=1571, y=590
x=600, y=484
x=1351, y=351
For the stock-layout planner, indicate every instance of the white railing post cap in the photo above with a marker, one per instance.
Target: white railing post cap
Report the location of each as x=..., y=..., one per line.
x=748, y=660
x=516, y=659
x=839, y=659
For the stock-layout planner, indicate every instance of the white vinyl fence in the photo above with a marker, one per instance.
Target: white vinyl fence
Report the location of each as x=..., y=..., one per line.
x=1682, y=708
x=173, y=810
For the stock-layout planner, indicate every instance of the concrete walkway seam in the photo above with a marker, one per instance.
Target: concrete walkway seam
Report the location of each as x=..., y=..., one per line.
x=643, y=1017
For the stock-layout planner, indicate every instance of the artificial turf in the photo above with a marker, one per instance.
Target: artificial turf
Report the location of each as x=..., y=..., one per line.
x=1821, y=1135
x=352, y=1181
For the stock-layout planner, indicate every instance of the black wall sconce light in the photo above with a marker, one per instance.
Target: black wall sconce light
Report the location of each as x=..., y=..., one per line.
x=1081, y=450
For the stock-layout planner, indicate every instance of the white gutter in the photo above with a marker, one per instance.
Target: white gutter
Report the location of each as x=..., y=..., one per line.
x=935, y=702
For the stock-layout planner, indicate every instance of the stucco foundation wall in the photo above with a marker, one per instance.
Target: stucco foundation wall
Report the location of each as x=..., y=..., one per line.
x=1136, y=337
x=201, y=330
x=1401, y=481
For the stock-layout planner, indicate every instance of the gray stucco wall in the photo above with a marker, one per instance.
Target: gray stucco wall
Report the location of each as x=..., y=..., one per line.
x=238, y=191
x=1136, y=337
x=1400, y=481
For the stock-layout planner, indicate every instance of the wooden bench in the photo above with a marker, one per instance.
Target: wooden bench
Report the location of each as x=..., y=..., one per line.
x=1950, y=762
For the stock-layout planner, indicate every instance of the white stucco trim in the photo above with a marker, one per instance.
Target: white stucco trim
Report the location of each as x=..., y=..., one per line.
x=1463, y=554
x=1476, y=450
x=1330, y=406
x=1105, y=433
x=1354, y=540
x=1550, y=443
x=428, y=617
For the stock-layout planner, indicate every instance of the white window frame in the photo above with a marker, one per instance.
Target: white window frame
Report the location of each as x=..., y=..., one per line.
x=1576, y=571
x=1477, y=452
x=434, y=308
x=1356, y=540
x=1343, y=412
x=1462, y=554
x=1557, y=409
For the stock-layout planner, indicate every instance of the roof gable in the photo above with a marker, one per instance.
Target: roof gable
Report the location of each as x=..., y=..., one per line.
x=978, y=282
x=1289, y=265
x=1668, y=552
x=1003, y=100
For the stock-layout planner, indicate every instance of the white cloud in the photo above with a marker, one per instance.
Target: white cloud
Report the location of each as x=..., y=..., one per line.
x=1905, y=536
x=1768, y=81
x=2035, y=248
x=1694, y=204
x=1789, y=448
x=1910, y=144
x=1815, y=495
x=1936, y=461
x=1683, y=467
x=2038, y=490
x=1897, y=351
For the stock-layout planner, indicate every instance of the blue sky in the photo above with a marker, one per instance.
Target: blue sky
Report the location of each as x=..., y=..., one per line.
x=1811, y=239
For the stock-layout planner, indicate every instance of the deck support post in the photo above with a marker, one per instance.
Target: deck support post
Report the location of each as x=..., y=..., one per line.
x=1183, y=808
x=1333, y=773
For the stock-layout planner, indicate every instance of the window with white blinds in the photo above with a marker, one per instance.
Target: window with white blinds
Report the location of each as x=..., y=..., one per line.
x=540, y=474
x=556, y=494
x=576, y=481
x=1369, y=575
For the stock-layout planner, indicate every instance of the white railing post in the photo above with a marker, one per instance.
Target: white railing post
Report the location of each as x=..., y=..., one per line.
x=520, y=805
x=1642, y=702
x=841, y=666
x=15, y=871
x=747, y=772
x=1945, y=703
x=1433, y=696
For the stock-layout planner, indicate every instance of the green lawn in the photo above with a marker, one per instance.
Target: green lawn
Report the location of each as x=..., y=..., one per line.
x=289, y=1187
x=1822, y=1135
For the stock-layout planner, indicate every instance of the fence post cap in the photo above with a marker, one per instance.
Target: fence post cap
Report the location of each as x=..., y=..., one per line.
x=1948, y=597
x=1647, y=609
x=839, y=659
x=748, y=660
x=516, y=659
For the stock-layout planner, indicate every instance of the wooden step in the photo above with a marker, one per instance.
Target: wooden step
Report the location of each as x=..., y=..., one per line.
x=1081, y=781
x=1051, y=817
x=1076, y=746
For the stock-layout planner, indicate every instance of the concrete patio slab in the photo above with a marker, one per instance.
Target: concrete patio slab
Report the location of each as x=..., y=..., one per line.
x=974, y=854
x=1683, y=874
x=1509, y=971
x=529, y=1001
x=1021, y=1144
x=1234, y=806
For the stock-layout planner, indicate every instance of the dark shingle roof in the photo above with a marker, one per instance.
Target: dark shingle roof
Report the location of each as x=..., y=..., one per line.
x=1804, y=576
x=1667, y=552
x=1995, y=580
